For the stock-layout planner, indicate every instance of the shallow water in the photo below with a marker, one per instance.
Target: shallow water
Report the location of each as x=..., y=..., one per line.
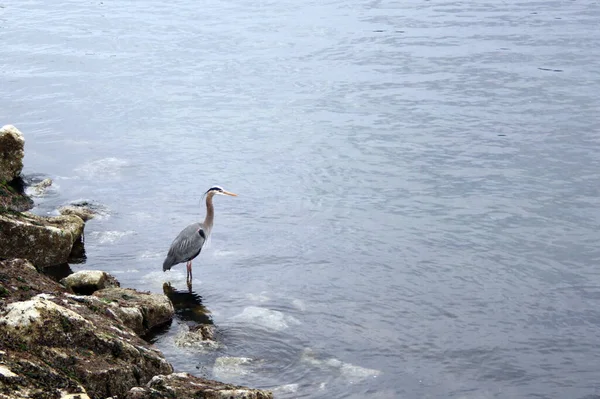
x=418, y=181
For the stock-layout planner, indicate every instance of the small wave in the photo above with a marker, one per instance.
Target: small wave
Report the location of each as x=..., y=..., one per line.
x=266, y=318
x=105, y=168
x=350, y=372
x=299, y=304
x=152, y=255
x=124, y=271
x=108, y=237
x=262, y=297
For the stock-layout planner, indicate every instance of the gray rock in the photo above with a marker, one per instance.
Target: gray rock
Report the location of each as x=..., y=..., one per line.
x=156, y=309
x=86, y=282
x=12, y=146
x=186, y=386
x=45, y=241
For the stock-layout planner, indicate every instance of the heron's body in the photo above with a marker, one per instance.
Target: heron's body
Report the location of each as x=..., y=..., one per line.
x=188, y=244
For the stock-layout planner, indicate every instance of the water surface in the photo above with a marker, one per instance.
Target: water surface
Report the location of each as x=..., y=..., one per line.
x=418, y=181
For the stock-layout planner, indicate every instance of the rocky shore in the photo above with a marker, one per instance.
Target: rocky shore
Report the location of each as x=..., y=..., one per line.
x=82, y=336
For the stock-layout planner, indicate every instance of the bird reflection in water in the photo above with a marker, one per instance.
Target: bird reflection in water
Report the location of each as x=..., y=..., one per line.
x=188, y=305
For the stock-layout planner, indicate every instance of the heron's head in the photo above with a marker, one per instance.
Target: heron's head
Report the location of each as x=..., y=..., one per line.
x=216, y=190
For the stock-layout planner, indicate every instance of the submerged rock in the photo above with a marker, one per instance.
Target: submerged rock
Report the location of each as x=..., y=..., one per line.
x=45, y=241
x=86, y=282
x=186, y=386
x=140, y=311
x=201, y=337
x=12, y=145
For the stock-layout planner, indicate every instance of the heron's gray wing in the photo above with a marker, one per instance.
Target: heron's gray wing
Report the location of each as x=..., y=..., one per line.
x=186, y=246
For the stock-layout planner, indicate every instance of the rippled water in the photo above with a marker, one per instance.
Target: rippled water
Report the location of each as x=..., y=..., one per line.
x=418, y=211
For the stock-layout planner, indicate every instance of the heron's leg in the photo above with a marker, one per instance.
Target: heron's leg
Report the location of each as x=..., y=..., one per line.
x=189, y=270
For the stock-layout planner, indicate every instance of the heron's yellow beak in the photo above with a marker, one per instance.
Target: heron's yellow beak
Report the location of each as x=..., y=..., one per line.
x=229, y=193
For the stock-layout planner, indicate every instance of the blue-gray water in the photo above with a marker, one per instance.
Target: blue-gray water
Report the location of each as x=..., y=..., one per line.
x=418, y=181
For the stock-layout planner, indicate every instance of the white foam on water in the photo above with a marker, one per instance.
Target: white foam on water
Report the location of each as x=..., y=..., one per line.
x=287, y=388
x=349, y=372
x=124, y=271
x=220, y=253
x=177, y=277
x=228, y=368
x=265, y=318
x=108, y=237
x=152, y=255
x=105, y=168
x=262, y=297
x=299, y=304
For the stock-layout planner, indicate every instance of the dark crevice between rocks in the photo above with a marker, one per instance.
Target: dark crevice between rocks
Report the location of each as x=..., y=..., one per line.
x=57, y=272
x=156, y=332
x=77, y=254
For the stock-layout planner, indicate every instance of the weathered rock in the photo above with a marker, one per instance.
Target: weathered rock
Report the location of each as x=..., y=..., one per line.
x=186, y=386
x=86, y=282
x=12, y=147
x=45, y=241
x=201, y=337
x=58, y=344
x=155, y=309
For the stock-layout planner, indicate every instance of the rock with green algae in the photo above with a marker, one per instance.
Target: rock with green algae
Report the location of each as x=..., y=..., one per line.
x=45, y=241
x=13, y=198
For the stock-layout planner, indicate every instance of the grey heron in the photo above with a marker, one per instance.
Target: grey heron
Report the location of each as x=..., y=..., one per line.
x=188, y=244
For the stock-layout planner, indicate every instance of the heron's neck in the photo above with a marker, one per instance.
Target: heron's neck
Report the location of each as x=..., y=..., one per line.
x=210, y=213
